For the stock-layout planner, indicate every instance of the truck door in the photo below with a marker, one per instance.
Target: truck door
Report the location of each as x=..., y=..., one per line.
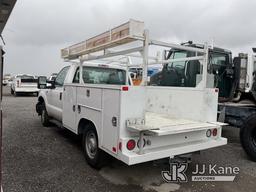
x=55, y=96
x=70, y=108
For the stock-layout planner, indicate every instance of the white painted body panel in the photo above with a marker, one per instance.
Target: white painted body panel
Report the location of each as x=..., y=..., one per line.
x=55, y=103
x=186, y=103
x=173, y=131
x=69, y=117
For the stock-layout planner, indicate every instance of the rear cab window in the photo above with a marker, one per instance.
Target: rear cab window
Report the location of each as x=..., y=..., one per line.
x=101, y=75
x=27, y=78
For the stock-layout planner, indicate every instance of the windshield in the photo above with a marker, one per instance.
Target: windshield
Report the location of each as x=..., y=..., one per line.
x=218, y=59
x=178, y=55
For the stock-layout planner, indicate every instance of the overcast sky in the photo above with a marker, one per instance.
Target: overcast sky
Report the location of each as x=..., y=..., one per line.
x=37, y=30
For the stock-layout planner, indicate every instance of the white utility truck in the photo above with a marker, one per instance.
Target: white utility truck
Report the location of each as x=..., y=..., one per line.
x=23, y=83
x=132, y=123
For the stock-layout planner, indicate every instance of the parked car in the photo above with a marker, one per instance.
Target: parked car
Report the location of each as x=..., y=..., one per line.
x=6, y=79
x=24, y=84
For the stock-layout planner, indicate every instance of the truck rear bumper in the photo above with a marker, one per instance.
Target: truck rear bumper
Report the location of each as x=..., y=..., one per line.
x=26, y=89
x=132, y=158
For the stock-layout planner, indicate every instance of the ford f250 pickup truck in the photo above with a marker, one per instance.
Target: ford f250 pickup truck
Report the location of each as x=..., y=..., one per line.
x=134, y=124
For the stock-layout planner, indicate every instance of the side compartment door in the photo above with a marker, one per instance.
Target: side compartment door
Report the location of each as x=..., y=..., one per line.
x=69, y=107
x=110, y=129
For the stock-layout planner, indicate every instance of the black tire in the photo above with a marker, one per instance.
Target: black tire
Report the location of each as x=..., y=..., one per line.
x=15, y=94
x=95, y=157
x=248, y=137
x=44, y=117
x=12, y=92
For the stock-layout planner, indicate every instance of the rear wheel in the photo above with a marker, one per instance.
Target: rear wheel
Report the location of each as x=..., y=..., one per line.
x=248, y=137
x=93, y=154
x=44, y=117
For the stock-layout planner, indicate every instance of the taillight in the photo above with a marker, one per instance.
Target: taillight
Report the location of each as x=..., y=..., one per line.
x=18, y=83
x=131, y=144
x=211, y=132
x=214, y=132
x=208, y=133
x=125, y=88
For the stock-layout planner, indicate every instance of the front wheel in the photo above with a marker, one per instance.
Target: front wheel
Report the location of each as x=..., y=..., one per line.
x=93, y=154
x=44, y=117
x=248, y=137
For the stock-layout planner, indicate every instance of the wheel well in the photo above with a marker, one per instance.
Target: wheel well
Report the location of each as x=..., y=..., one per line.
x=82, y=125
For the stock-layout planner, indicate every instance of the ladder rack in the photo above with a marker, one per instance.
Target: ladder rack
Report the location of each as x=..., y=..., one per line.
x=125, y=33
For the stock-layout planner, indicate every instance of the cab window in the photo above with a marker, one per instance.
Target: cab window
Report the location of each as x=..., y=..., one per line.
x=59, y=81
x=97, y=75
x=77, y=76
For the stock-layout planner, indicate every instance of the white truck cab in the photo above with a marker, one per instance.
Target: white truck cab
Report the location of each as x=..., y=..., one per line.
x=70, y=75
x=134, y=124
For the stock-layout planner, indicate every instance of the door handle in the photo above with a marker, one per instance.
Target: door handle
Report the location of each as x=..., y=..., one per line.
x=88, y=93
x=74, y=108
x=79, y=109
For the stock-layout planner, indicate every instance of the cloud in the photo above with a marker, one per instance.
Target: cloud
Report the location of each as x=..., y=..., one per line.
x=38, y=29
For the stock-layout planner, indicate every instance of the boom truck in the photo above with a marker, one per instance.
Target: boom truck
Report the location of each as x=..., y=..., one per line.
x=95, y=98
x=235, y=79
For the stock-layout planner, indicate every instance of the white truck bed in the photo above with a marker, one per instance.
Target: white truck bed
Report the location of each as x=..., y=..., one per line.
x=161, y=124
x=165, y=119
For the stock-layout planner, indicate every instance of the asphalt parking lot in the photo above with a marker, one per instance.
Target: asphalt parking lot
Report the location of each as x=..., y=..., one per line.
x=36, y=158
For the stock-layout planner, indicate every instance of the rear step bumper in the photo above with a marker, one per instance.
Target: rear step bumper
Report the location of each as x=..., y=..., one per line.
x=132, y=158
x=26, y=89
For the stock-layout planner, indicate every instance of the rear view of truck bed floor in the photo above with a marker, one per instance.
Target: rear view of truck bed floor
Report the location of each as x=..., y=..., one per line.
x=161, y=124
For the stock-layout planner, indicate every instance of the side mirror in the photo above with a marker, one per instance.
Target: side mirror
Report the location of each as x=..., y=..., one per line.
x=42, y=82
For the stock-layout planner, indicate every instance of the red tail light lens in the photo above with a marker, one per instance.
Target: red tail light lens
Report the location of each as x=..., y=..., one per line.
x=131, y=144
x=125, y=88
x=18, y=83
x=214, y=132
